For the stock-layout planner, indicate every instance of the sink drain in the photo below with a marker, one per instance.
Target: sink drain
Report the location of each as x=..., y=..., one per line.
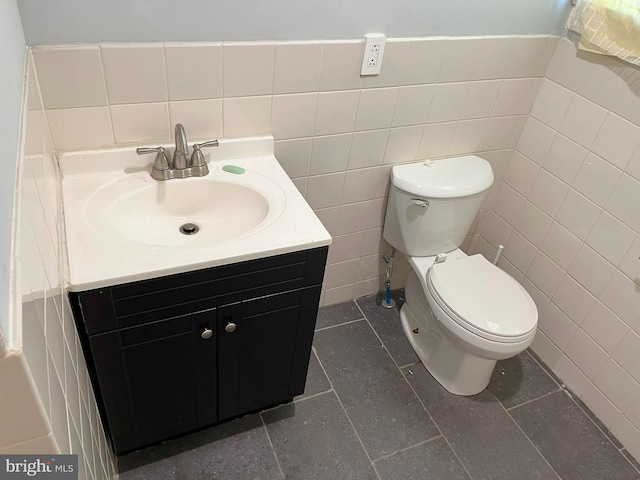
x=189, y=229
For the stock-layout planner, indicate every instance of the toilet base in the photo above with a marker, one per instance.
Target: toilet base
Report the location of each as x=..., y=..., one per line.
x=459, y=372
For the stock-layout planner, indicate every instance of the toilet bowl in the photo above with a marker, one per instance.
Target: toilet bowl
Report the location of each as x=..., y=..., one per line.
x=462, y=316
x=462, y=313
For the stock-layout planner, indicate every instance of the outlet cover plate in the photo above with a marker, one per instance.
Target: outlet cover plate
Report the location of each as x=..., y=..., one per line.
x=373, y=51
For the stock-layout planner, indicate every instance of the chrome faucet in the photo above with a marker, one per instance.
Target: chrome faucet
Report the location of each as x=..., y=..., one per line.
x=179, y=167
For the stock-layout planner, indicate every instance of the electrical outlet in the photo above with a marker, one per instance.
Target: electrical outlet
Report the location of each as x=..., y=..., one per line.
x=373, y=51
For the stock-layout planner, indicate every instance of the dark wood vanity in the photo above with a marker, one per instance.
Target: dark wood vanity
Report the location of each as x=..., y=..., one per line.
x=173, y=354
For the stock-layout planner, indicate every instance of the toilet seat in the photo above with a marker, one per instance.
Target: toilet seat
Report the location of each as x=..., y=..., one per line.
x=483, y=299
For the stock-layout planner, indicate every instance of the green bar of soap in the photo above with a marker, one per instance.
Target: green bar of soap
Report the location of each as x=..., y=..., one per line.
x=233, y=169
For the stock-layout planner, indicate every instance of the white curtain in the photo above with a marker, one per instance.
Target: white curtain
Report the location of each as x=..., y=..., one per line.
x=609, y=27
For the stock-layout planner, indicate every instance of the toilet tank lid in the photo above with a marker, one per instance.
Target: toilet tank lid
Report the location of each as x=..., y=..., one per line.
x=446, y=178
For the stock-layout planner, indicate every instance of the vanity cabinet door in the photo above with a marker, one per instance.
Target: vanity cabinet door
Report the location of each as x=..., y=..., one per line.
x=148, y=380
x=263, y=350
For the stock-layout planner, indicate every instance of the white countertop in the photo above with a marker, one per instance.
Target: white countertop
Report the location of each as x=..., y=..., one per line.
x=100, y=257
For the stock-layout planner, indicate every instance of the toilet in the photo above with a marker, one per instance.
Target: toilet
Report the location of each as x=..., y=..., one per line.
x=462, y=313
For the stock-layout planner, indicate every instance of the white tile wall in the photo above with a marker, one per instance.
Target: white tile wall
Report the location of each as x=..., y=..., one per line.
x=50, y=344
x=576, y=169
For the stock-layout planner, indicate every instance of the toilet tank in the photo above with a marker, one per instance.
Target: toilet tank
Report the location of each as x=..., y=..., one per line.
x=432, y=205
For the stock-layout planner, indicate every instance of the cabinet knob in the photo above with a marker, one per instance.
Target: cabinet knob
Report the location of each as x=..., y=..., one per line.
x=206, y=333
x=230, y=327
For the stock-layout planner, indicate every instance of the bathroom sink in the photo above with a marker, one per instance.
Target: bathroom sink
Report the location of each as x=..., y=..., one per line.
x=215, y=209
x=124, y=226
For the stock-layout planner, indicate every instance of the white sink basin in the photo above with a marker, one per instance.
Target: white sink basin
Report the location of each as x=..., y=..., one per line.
x=224, y=207
x=123, y=226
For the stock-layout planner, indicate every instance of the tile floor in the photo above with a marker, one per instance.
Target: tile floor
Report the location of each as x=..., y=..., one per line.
x=371, y=411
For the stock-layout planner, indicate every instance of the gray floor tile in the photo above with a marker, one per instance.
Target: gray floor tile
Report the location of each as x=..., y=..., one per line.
x=337, y=314
x=211, y=453
x=520, y=379
x=317, y=381
x=433, y=460
x=314, y=440
x=485, y=438
x=570, y=441
x=383, y=408
x=386, y=323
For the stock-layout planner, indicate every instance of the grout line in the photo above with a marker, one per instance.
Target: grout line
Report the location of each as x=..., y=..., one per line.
x=384, y=457
x=339, y=325
x=527, y=402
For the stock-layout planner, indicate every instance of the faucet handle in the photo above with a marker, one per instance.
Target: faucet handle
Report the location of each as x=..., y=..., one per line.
x=161, y=162
x=197, y=159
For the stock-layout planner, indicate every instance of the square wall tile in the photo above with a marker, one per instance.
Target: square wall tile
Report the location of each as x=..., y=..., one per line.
x=508, y=203
x=246, y=116
x=202, y=119
x=617, y=384
x=545, y=274
x=552, y=103
x=467, y=137
x=617, y=140
x=436, y=139
x=341, y=62
x=141, y=123
x=548, y=192
x=586, y=354
x=481, y=98
x=577, y=214
x=360, y=185
x=297, y=67
x=134, y=74
x=621, y=296
x=325, y=191
x=294, y=156
x=330, y=154
x=512, y=97
x=403, y=144
x=596, y=179
x=293, y=115
x=610, y=238
x=591, y=270
x=624, y=202
x=70, y=77
x=630, y=265
x=605, y=327
x=459, y=60
x=498, y=135
x=447, y=102
x=573, y=299
x=80, y=128
x=633, y=168
x=375, y=108
x=367, y=148
x=582, y=121
x=354, y=217
x=527, y=54
x=560, y=245
x=346, y=247
x=627, y=354
x=521, y=173
x=519, y=251
x=494, y=58
x=557, y=326
x=424, y=60
x=336, y=112
x=247, y=69
x=564, y=158
x=194, y=71
x=533, y=223
x=535, y=140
